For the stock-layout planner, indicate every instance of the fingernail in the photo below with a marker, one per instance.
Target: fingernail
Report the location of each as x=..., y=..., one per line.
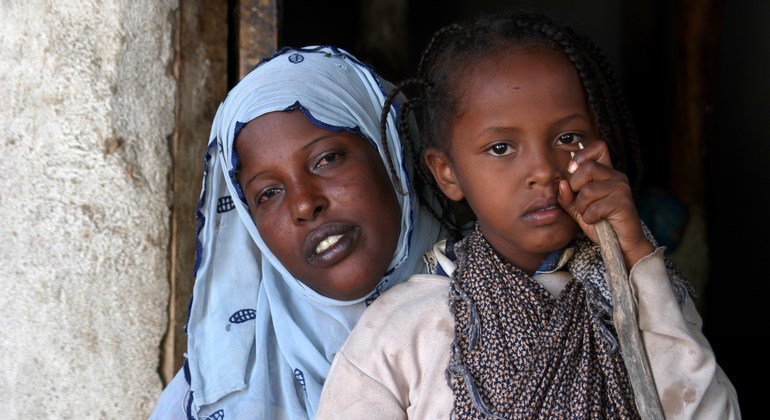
x=572, y=167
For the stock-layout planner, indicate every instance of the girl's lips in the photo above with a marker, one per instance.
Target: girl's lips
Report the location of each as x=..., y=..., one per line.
x=330, y=243
x=544, y=211
x=544, y=216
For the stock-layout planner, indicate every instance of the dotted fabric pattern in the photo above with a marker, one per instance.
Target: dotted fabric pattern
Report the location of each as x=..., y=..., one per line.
x=519, y=352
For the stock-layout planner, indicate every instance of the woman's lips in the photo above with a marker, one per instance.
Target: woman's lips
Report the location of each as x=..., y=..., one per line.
x=329, y=244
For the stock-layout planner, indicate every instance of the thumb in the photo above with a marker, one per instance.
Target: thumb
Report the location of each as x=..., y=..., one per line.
x=566, y=198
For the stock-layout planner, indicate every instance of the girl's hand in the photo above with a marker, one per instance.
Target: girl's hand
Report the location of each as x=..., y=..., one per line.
x=596, y=191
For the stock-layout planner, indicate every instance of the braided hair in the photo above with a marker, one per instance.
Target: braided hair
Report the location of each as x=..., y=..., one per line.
x=435, y=93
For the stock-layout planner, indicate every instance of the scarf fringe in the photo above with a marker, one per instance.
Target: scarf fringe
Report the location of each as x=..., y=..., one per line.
x=456, y=367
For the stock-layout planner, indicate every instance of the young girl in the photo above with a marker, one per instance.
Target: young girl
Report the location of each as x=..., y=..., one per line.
x=302, y=224
x=523, y=328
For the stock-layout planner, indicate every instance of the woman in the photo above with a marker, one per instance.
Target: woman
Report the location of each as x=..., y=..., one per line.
x=261, y=337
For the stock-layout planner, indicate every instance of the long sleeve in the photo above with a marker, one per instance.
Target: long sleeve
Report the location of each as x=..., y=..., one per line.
x=392, y=366
x=690, y=384
x=352, y=394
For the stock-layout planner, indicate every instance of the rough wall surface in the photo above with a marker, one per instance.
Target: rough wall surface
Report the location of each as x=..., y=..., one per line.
x=88, y=111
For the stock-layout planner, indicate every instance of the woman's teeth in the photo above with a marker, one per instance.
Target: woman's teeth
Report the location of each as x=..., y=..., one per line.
x=327, y=243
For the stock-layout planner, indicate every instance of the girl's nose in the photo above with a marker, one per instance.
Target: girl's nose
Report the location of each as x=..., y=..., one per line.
x=545, y=168
x=307, y=203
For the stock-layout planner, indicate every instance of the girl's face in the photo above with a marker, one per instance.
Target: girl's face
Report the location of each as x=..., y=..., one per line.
x=521, y=113
x=321, y=200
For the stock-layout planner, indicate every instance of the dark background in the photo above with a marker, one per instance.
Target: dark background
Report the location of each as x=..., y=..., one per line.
x=639, y=38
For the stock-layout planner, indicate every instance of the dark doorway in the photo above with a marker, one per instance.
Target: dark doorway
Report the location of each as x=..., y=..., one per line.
x=643, y=41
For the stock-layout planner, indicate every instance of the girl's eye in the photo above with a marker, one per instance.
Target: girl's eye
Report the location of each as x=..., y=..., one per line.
x=500, y=149
x=569, y=138
x=267, y=194
x=327, y=159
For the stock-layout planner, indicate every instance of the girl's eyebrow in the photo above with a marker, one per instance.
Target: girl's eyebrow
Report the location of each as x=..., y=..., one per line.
x=562, y=120
x=498, y=129
x=572, y=117
x=306, y=146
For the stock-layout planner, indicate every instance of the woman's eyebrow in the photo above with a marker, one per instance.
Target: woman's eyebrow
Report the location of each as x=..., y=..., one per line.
x=316, y=140
x=306, y=146
x=256, y=175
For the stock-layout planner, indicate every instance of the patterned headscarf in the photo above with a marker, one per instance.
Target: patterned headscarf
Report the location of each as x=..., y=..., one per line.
x=260, y=342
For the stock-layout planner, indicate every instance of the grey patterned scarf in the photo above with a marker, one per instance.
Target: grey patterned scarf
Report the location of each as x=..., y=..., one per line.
x=519, y=352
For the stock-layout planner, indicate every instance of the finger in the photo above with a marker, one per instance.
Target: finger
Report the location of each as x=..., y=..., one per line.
x=613, y=194
x=589, y=196
x=592, y=171
x=566, y=199
x=566, y=196
x=594, y=151
x=604, y=208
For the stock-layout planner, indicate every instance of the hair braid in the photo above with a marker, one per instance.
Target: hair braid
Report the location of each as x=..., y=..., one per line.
x=424, y=182
x=627, y=128
x=386, y=106
x=430, y=49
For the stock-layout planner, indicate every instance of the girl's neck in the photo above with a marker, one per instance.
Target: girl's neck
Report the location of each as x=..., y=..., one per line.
x=527, y=262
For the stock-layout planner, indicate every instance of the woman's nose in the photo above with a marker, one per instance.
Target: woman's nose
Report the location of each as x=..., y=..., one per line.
x=308, y=202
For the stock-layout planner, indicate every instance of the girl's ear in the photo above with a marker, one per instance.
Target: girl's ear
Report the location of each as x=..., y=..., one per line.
x=441, y=167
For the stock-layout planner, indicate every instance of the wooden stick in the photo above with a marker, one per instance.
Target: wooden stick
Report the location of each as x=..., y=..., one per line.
x=625, y=320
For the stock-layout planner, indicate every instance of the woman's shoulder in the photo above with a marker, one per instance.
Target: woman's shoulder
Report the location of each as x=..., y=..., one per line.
x=419, y=292
x=416, y=307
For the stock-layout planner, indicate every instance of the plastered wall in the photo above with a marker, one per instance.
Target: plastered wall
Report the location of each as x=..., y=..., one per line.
x=87, y=97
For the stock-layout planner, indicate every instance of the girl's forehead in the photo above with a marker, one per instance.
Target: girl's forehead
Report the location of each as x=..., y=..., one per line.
x=515, y=71
x=516, y=53
x=481, y=65
x=522, y=88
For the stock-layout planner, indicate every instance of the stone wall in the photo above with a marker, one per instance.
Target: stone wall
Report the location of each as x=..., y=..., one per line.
x=88, y=97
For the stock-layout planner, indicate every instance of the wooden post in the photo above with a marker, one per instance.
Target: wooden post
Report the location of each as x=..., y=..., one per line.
x=257, y=31
x=201, y=71
x=699, y=26
x=204, y=55
x=384, y=36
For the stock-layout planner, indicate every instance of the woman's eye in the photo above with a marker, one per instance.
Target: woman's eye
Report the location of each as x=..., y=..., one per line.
x=267, y=194
x=569, y=138
x=500, y=149
x=327, y=159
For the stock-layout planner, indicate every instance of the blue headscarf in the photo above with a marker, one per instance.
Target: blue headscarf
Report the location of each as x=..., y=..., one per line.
x=260, y=342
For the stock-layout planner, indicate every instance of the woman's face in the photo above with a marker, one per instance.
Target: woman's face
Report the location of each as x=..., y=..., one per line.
x=322, y=202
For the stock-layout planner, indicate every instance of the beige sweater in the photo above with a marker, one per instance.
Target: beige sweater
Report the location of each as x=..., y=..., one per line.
x=392, y=365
